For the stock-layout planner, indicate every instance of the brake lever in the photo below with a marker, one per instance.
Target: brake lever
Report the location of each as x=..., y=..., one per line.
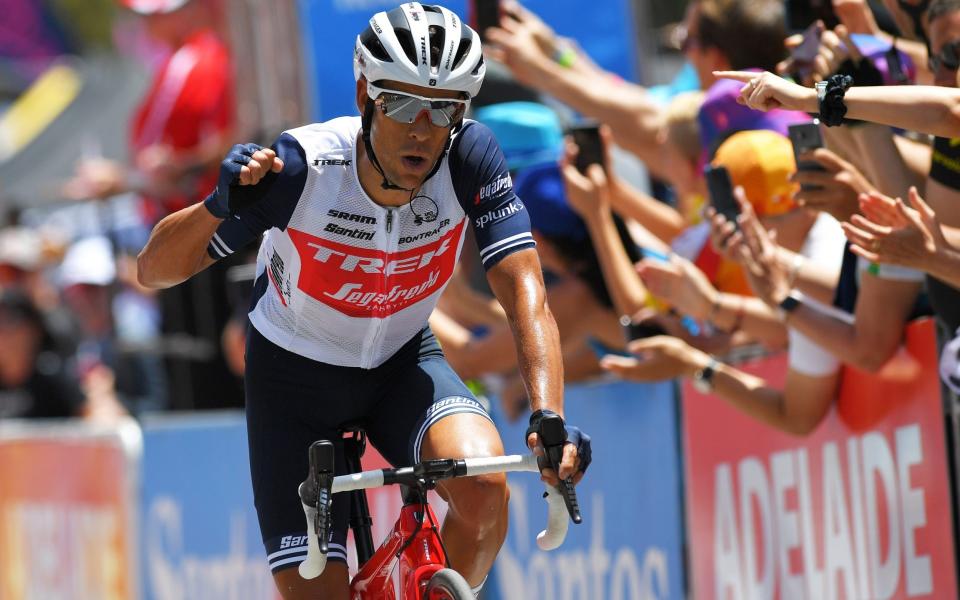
x=317, y=490
x=553, y=436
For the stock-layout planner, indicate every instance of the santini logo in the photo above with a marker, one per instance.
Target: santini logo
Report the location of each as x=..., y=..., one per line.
x=501, y=213
x=357, y=234
x=494, y=189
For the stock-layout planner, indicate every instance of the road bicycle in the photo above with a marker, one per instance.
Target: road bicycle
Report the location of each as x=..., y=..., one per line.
x=411, y=563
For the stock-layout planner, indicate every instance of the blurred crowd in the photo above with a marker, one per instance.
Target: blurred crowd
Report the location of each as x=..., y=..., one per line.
x=832, y=242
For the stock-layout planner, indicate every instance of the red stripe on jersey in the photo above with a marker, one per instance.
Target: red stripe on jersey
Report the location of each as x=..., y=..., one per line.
x=369, y=283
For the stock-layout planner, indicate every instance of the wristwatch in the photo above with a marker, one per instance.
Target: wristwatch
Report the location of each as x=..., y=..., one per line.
x=789, y=304
x=703, y=379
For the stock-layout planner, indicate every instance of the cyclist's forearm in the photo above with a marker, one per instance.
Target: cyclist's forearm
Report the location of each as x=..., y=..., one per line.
x=518, y=285
x=177, y=248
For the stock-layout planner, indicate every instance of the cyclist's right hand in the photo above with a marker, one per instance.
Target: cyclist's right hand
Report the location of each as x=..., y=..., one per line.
x=245, y=177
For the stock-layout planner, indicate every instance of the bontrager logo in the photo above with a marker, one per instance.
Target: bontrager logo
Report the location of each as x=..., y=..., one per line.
x=357, y=234
x=364, y=219
x=409, y=239
x=501, y=213
x=339, y=162
x=495, y=188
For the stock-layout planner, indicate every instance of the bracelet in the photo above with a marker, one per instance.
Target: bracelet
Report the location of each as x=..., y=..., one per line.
x=830, y=99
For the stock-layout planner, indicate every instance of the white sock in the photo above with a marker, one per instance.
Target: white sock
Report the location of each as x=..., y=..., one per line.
x=476, y=590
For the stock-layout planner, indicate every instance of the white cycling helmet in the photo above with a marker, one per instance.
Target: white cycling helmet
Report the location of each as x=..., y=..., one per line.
x=396, y=45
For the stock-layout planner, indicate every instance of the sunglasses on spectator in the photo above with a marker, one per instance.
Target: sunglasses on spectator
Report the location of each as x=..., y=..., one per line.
x=404, y=107
x=948, y=58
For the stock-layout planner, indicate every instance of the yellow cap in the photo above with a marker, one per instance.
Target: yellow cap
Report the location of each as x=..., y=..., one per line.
x=761, y=161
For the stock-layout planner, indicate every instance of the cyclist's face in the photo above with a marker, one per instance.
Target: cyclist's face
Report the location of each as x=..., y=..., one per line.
x=407, y=151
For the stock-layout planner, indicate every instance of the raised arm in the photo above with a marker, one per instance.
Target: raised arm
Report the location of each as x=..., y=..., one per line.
x=923, y=108
x=177, y=248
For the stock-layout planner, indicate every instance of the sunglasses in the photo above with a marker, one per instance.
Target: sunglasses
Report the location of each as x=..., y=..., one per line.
x=403, y=107
x=948, y=58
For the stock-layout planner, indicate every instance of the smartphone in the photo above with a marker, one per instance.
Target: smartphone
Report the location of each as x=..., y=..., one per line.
x=588, y=140
x=600, y=349
x=720, y=189
x=801, y=13
x=804, y=54
x=484, y=14
x=805, y=137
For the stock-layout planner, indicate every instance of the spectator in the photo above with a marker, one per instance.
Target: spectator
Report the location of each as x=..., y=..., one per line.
x=38, y=381
x=739, y=33
x=178, y=135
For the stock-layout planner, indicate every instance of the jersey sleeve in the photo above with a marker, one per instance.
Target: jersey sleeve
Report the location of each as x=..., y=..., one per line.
x=500, y=221
x=282, y=194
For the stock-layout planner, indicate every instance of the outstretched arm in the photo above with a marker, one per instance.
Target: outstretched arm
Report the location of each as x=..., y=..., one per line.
x=924, y=108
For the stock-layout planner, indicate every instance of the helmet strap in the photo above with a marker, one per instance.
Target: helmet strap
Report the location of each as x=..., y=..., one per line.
x=366, y=123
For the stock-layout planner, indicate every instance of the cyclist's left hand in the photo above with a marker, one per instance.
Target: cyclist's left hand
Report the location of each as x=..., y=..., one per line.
x=577, y=455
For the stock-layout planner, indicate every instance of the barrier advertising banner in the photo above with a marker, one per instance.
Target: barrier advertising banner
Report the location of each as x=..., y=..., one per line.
x=629, y=546
x=858, y=509
x=199, y=533
x=330, y=29
x=67, y=511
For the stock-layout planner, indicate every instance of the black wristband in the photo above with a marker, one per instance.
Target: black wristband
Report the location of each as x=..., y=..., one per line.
x=830, y=99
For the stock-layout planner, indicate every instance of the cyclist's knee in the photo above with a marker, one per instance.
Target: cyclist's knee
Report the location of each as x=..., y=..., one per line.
x=482, y=499
x=332, y=584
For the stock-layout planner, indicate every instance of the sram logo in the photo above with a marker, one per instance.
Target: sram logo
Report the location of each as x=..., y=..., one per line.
x=371, y=283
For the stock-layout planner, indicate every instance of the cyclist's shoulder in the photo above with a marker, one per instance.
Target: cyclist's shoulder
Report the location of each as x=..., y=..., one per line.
x=335, y=134
x=473, y=136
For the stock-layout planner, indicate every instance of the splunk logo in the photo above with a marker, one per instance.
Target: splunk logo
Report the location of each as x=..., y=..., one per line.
x=501, y=213
x=494, y=189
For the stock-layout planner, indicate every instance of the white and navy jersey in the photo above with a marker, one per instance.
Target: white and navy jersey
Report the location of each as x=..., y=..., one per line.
x=345, y=281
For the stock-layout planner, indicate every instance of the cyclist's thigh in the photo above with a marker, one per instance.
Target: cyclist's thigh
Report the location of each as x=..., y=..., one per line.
x=420, y=392
x=292, y=402
x=333, y=584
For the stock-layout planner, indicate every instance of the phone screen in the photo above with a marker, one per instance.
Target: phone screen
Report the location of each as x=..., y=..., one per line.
x=805, y=137
x=721, y=192
x=806, y=51
x=587, y=138
x=484, y=13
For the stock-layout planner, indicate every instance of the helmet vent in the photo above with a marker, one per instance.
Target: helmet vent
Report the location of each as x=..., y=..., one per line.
x=437, y=38
x=463, y=49
x=372, y=43
x=398, y=21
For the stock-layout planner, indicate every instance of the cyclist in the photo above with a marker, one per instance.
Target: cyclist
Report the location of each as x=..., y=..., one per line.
x=364, y=219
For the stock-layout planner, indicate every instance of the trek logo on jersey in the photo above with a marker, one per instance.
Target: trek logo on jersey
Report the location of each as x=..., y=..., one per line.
x=494, y=189
x=501, y=213
x=370, y=283
x=336, y=162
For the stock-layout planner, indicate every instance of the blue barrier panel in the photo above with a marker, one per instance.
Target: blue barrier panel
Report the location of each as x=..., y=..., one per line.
x=629, y=546
x=330, y=28
x=200, y=537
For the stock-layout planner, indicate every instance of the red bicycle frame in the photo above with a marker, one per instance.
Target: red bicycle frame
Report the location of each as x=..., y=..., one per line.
x=406, y=560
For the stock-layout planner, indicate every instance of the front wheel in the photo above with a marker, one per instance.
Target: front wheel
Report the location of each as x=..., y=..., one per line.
x=447, y=584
